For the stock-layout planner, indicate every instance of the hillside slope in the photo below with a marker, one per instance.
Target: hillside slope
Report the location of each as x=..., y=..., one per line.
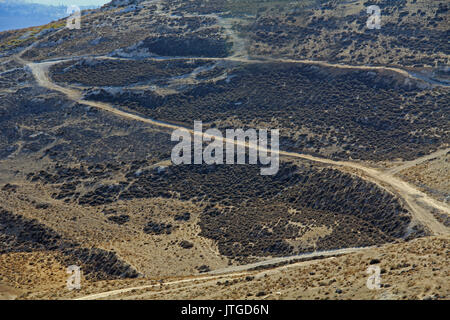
x=86, y=175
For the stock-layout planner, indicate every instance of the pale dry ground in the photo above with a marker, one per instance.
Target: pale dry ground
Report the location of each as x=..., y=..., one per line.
x=413, y=270
x=432, y=174
x=149, y=254
x=29, y=273
x=417, y=269
x=8, y=293
x=442, y=154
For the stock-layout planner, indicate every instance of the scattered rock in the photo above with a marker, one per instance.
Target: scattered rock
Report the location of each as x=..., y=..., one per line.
x=186, y=244
x=203, y=268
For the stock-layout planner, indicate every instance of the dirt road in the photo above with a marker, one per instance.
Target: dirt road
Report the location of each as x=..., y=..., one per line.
x=272, y=261
x=106, y=294
x=418, y=202
x=415, y=162
x=229, y=272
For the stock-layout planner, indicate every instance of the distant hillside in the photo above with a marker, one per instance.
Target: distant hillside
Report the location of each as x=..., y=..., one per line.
x=18, y=14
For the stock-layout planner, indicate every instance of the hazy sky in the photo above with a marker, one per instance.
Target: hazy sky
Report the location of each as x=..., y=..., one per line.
x=70, y=2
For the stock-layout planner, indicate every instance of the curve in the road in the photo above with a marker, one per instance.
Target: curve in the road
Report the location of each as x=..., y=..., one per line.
x=417, y=201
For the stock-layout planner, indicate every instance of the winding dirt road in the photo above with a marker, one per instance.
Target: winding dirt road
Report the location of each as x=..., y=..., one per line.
x=106, y=294
x=230, y=272
x=419, y=203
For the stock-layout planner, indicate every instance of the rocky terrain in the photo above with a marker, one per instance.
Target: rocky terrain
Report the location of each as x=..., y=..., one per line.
x=379, y=118
x=411, y=270
x=86, y=176
x=296, y=202
x=23, y=235
x=336, y=31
